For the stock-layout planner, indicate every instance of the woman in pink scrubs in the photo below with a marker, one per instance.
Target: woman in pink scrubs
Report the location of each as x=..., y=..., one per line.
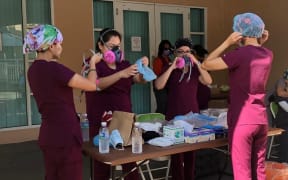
x=249, y=67
x=60, y=136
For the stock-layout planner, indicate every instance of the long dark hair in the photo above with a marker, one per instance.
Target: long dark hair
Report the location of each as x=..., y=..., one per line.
x=105, y=36
x=161, y=47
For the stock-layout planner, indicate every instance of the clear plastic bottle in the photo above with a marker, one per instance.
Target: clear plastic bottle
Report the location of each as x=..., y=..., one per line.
x=104, y=138
x=137, y=139
x=84, y=127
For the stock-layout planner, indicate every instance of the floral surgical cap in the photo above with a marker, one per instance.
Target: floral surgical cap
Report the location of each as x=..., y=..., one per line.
x=285, y=74
x=249, y=25
x=41, y=37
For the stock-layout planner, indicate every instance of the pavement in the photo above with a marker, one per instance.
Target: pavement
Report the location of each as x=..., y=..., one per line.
x=24, y=161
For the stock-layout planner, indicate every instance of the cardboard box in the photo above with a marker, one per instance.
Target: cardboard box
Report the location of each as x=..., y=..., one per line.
x=175, y=133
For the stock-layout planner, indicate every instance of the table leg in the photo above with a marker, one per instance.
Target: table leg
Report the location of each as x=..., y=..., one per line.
x=91, y=169
x=125, y=174
x=113, y=171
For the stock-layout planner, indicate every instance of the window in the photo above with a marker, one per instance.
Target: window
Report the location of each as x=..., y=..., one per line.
x=197, y=26
x=103, y=16
x=17, y=106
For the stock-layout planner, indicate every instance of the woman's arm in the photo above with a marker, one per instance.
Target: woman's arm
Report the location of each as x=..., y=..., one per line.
x=214, y=61
x=161, y=81
x=89, y=84
x=205, y=78
x=107, y=81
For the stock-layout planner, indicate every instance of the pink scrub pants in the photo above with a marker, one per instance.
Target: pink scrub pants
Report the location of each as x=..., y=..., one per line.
x=248, y=151
x=63, y=163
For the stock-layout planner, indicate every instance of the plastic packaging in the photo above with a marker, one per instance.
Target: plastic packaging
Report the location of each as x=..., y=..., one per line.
x=104, y=139
x=137, y=139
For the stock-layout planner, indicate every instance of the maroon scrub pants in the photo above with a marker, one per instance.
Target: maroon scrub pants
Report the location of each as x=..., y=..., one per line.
x=63, y=163
x=187, y=160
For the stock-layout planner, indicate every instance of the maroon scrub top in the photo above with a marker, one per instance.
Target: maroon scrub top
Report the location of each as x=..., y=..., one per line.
x=182, y=96
x=115, y=97
x=49, y=83
x=249, y=69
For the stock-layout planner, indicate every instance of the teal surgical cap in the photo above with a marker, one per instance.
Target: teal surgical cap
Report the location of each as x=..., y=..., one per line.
x=249, y=25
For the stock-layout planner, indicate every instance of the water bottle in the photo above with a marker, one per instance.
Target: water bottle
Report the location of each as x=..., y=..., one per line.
x=104, y=138
x=84, y=127
x=136, y=139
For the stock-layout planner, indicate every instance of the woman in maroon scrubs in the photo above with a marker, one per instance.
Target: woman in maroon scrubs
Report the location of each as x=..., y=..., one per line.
x=182, y=85
x=60, y=136
x=116, y=76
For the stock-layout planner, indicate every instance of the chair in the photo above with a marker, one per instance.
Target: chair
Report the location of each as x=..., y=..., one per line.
x=274, y=110
x=151, y=117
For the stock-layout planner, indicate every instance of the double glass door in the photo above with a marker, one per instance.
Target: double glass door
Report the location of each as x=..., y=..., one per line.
x=143, y=27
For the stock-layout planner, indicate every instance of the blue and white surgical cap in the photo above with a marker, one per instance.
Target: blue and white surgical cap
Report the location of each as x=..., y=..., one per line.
x=249, y=25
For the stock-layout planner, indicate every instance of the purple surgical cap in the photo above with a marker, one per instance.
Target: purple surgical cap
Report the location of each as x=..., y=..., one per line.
x=249, y=25
x=41, y=37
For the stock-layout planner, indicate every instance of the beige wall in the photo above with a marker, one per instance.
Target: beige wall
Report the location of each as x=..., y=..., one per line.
x=75, y=19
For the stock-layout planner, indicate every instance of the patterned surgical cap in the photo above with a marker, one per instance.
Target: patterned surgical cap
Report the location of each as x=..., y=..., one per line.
x=249, y=25
x=41, y=37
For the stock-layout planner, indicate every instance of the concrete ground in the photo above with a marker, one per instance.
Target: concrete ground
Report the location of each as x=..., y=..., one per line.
x=24, y=161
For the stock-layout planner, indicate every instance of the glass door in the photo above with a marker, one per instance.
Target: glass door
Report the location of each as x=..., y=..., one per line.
x=171, y=22
x=136, y=24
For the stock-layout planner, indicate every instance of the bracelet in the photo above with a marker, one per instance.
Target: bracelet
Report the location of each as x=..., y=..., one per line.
x=198, y=63
x=91, y=70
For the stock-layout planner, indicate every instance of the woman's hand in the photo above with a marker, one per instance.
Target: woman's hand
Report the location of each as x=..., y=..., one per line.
x=233, y=38
x=96, y=58
x=145, y=60
x=264, y=37
x=128, y=72
x=193, y=58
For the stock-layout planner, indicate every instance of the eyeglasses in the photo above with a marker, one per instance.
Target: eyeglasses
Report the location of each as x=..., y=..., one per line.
x=110, y=47
x=183, y=52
